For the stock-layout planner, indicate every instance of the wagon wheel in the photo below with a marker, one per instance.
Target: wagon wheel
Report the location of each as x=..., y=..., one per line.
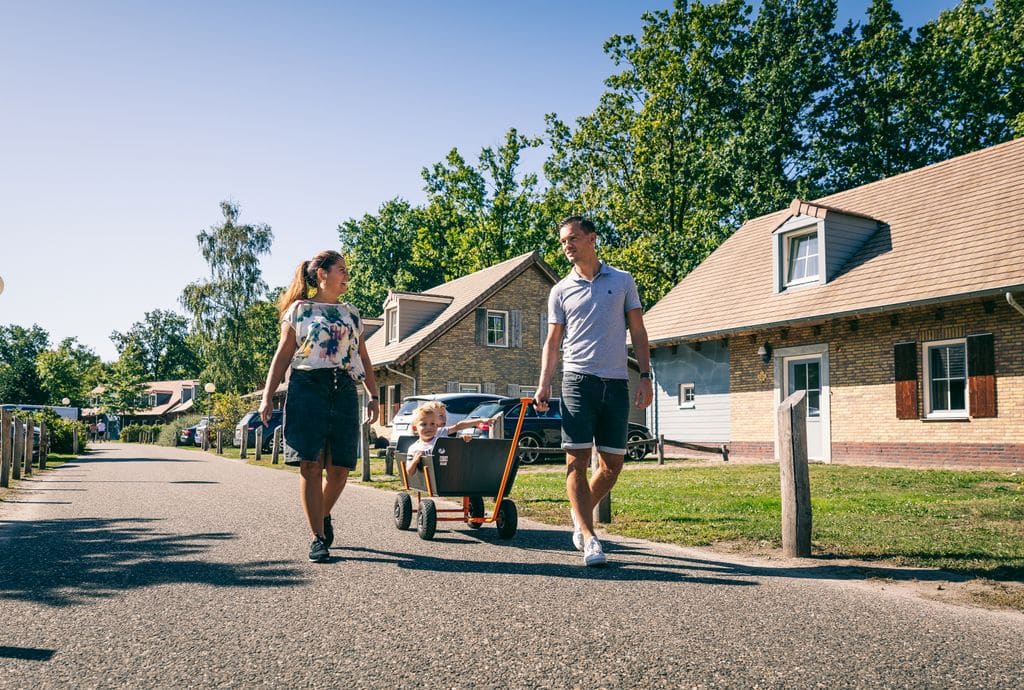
x=476, y=510
x=527, y=441
x=403, y=511
x=637, y=452
x=426, y=525
x=508, y=519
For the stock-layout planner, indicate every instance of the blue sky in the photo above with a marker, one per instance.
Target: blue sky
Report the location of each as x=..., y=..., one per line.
x=123, y=125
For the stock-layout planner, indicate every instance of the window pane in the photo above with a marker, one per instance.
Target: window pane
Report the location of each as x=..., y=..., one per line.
x=957, y=356
x=803, y=257
x=812, y=265
x=956, y=395
x=813, y=404
x=940, y=395
x=812, y=377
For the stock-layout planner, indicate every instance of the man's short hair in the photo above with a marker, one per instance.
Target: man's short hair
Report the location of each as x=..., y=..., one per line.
x=585, y=224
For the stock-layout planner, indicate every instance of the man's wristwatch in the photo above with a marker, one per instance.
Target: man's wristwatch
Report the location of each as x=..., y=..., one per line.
x=646, y=375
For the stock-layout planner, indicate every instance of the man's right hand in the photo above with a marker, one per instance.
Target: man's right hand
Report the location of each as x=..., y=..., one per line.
x=266, y=408
x=540, y=398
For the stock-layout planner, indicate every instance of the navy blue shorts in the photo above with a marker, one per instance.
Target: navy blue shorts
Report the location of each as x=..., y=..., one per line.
x=321, y=415
x=594, y=410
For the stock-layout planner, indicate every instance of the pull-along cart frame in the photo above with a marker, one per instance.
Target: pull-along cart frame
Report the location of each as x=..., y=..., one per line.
x=473, y=470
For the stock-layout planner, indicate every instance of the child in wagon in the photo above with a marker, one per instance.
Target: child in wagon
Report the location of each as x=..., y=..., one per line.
x=429, y=421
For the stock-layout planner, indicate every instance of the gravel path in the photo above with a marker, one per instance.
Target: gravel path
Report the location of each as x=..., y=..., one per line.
x=145, y=566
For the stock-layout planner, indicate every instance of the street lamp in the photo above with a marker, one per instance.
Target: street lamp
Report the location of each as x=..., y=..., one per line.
x=210, y=389
x=1, y=286
x=65, y=401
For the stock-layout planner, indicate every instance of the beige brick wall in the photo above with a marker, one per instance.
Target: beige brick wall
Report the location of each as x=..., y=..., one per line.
x=861, y=374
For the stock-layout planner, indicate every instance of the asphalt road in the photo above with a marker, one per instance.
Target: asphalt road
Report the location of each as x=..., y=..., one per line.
x=144, y=566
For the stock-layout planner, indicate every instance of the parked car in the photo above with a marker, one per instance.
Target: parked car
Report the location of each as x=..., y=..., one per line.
x=544, y=429
x=459, y=405
x=250, y=422
x=36, y=433
x=187, y=435
x=201, y=429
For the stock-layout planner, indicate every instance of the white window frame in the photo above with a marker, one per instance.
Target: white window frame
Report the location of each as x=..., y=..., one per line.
x=391, y=324
x=926, y=368
x=787, y=245
x=504, y=334
x=469, y=387
x=685, y=404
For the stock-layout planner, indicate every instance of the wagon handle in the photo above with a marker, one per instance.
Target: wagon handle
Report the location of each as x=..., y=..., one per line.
x=511, y=455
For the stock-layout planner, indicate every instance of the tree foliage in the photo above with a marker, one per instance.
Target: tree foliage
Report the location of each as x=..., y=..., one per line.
x=161, y=341
x=19, y=378
x=70, y=371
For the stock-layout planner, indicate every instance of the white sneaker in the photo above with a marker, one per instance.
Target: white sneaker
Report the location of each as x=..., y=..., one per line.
x=577, y=534
x=593, y=554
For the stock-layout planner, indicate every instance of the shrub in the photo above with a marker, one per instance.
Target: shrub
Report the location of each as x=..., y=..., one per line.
x=60, y=431
x=169, y=432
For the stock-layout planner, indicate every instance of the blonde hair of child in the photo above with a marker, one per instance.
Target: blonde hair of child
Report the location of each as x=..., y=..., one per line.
x=423, y=411
x=439, y=407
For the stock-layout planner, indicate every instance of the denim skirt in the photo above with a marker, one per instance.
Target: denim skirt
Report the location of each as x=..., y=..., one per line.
x=321, y=416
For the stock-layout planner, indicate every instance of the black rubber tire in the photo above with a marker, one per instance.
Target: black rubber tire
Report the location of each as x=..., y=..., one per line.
x=403, y=511
x=426, y=524
x=528, y=440
x=476, y=509
x=508, y=519
x=636, y=453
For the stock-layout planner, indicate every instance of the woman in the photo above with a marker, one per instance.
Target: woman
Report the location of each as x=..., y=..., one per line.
x=320, y=341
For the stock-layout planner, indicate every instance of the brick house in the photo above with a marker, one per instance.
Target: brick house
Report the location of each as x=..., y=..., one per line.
x=479, y=333
x=895, y=305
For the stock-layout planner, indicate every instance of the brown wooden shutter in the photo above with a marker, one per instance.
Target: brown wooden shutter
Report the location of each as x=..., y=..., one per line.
x=981, y=375
x=905, y=355
x=481, y=326
x=515, y=318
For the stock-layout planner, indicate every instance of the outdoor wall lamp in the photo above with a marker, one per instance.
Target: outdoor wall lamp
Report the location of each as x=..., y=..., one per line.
x=766, y=352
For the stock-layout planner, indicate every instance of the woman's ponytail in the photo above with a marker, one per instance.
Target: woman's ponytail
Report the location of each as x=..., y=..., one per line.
x=305, y=278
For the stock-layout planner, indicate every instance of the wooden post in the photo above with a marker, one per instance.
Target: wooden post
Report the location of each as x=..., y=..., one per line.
x=19, y=449
x=389, y=460
x=6, y=448
x=220, y=442
x=258, y=448
x=44, y=442
x=74, y=439
x=364, y=448
x=29, y=442
x=793, y=477
x=603, y=510
x=206, y=438
x=244, y=447
x=661, y=449
x=275, y=445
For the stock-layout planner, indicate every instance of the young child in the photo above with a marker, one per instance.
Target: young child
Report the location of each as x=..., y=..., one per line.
x=429, y=423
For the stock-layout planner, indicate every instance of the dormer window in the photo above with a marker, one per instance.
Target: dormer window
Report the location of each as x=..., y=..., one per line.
x=802, y=258
x=391, y=323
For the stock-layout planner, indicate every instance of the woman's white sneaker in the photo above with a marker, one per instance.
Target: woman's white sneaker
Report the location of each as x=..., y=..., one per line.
x=577, y=534
x=593, y=554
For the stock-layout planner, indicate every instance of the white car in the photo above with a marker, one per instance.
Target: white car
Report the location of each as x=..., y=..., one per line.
x=459, y=405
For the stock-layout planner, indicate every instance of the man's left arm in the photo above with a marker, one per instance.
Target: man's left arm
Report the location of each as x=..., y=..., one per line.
x=642, y=350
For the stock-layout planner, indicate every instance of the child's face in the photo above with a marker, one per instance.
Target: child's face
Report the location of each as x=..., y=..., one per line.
x=426, y=428
x=442, y=418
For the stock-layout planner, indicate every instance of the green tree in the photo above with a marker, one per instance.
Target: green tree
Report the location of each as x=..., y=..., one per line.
x=219, y=306
x=125, y=384
x=162, y=342
x=19, y=377
x=70, y=371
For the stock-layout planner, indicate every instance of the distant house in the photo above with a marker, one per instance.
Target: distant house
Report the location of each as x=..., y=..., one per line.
x=479, y=333
x=161, y=401
x=895, y=305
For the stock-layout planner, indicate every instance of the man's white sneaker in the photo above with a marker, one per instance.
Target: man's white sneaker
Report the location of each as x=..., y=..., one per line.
x=577, y=534
x=593, y=554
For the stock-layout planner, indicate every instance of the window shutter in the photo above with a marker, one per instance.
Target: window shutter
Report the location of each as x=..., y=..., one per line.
x=905, y=355
x=398, y=393
x=481, y=327
x=515, y=328
x=543, y=327
x=513, y=390
x=489, y=388
x=981, y=375
x=453, y=387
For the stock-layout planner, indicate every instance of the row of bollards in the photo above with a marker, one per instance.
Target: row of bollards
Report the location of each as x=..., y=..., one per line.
x=16, y=446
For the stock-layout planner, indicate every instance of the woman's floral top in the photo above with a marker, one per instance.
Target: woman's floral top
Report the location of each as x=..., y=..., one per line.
x=326, y=335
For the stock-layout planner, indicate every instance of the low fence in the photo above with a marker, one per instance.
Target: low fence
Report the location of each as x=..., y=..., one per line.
x=18, y=447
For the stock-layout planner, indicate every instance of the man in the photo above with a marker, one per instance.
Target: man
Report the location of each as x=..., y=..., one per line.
x=101, y=430
x=592, y=307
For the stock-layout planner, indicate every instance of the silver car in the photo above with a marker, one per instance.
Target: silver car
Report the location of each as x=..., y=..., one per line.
x=459, y=405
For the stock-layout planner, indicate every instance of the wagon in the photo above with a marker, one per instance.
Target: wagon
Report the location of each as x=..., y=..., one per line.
x=473, y=471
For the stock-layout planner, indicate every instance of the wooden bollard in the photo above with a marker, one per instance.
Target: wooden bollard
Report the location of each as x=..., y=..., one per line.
x=19, y=449
x=364, y=449
x=44, y=440
x=220, y=442
x=275, y=445
x=603, y=509
x=74, y=439
x=6, y=448
x=794, y=478
x=245, y=442
x=258, y=448
x=661, y=449
x=30, y=438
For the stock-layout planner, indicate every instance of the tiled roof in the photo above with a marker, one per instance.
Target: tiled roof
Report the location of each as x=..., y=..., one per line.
x=466, y=294
x=951, y=230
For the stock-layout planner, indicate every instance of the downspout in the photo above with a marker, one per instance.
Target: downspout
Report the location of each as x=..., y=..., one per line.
x=1013, y=303
x=398, y=373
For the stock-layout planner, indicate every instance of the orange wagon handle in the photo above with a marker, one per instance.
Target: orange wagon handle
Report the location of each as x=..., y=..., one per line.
x=511, y=455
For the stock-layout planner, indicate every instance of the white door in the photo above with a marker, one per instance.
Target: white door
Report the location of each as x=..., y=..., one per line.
x=804, y=374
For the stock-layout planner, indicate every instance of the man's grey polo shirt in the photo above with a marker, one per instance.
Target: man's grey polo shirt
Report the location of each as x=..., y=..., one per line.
x=594, y=315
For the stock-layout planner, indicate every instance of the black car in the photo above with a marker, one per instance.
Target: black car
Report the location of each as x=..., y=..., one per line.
x=187, y=436
x=250, y=422
x=544, y=429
